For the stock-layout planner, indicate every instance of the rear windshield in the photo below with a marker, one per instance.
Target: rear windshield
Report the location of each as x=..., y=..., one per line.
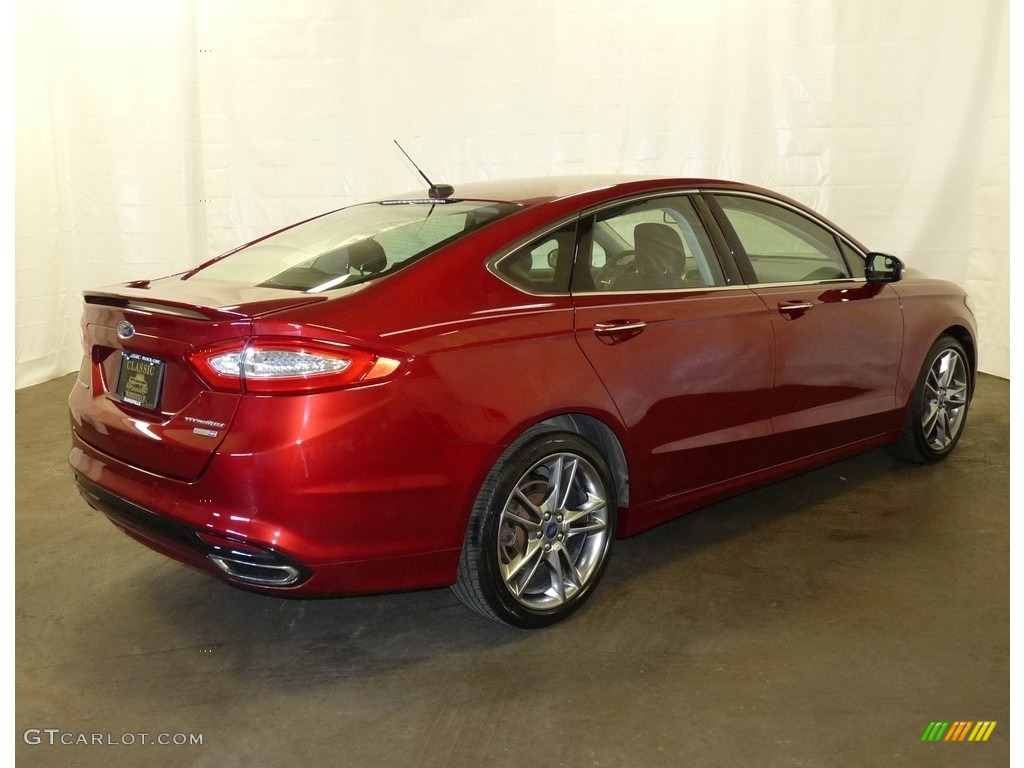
x=352, y=245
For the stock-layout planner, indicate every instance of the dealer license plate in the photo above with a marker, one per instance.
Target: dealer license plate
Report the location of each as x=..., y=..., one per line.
x=139, y=379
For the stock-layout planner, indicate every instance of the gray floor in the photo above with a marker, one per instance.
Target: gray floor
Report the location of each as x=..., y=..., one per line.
x=823, y=621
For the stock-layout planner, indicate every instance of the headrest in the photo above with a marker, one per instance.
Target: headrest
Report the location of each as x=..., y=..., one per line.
x=366, y=256
x=659, y=246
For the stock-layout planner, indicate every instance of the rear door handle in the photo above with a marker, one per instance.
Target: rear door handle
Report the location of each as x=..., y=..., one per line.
x=619, y=326
x=614, y=331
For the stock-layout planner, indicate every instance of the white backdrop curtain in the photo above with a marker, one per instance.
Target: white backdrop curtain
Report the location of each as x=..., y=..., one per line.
x=152, y=135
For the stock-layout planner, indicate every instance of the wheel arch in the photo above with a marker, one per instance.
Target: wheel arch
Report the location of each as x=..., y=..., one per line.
x=966, y=339
x=918, y=339
x=605, y=440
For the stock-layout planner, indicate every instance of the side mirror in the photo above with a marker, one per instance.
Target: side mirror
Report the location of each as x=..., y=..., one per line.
x=882, y=268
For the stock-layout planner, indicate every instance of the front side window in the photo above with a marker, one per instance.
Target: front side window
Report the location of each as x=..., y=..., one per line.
x=782, y=245
x=652, y=245
x=352, y=245
x=853, y=259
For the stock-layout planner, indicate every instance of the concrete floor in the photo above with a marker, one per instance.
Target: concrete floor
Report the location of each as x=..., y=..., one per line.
x=823, y=621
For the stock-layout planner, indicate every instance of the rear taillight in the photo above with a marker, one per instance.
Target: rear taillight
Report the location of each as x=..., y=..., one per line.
x=288, y=366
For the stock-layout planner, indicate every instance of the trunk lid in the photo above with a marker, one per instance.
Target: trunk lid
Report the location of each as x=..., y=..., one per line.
x=137, y=398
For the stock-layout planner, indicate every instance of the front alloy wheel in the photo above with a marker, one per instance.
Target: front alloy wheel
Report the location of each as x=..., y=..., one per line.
x=541, y=531
x=938, y=406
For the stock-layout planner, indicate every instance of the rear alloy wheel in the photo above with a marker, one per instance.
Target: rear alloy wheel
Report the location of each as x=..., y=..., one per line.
x=938, y=406
x=541, y=531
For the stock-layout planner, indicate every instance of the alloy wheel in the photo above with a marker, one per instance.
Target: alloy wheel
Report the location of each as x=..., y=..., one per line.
x=945, y=400
x=553, y=531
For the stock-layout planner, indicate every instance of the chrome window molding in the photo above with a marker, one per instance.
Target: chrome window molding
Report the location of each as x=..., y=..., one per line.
x=596, y=210
x=666, y=291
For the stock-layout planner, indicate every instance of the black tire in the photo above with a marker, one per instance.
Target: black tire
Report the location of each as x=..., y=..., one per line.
x=541, y=531
x=938, y=406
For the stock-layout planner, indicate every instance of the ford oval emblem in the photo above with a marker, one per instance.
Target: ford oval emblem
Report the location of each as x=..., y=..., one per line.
x=125, y=330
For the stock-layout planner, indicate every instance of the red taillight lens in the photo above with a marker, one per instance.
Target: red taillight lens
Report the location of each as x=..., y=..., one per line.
x=288, y=366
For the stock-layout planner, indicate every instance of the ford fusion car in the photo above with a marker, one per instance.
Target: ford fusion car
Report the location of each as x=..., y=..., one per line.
x=484, y=387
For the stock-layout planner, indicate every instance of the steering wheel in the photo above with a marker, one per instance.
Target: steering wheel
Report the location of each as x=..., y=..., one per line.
x=616, y=265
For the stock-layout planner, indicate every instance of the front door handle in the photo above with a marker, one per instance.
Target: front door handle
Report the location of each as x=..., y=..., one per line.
x=795, y=307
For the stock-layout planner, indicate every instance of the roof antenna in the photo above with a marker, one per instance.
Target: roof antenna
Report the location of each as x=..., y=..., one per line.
x=436, y=191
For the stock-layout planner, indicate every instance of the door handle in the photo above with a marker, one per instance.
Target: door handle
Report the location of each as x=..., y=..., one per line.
x=795, y=306
x=614, y=331
x=619, y=326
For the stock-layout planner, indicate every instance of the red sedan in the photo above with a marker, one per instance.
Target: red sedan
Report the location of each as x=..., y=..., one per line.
x=483, y=387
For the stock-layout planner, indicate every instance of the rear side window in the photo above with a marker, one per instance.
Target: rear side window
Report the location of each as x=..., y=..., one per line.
x=352, y=245
x=542, y=265
x=782, y=245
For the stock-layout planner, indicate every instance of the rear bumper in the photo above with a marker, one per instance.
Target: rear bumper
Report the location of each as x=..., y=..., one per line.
x=250, y=564
x=324, y=515
x=235, y=561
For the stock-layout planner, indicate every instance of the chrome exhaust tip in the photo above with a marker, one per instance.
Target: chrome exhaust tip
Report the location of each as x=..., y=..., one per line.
x=263, y=574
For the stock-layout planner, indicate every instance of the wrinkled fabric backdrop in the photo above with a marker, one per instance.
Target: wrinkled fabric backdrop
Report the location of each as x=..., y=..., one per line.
x=153, y=135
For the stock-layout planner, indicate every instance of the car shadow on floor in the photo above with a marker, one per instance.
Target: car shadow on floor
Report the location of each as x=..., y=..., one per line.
x=303, y=642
